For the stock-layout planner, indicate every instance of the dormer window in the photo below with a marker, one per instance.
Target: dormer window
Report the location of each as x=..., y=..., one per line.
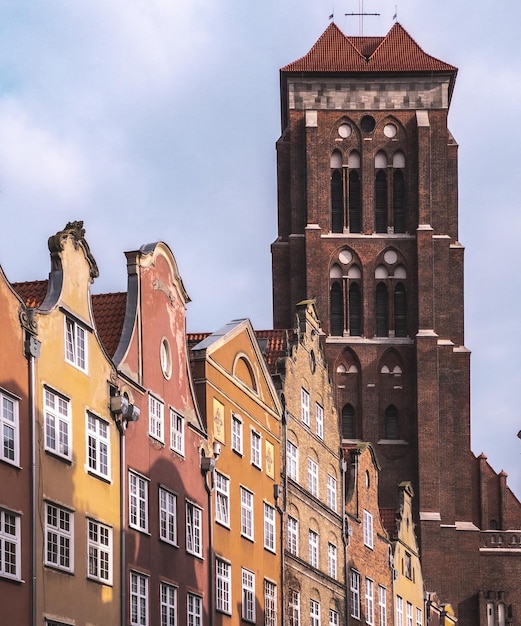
x=75, y=344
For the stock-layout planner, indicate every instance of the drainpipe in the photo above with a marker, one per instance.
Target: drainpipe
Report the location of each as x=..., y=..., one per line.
x=208, y=468
x=122, y=524
x=32, y=352
x=345, y=536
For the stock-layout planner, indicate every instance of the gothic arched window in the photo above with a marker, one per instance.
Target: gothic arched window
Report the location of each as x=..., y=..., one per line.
x=346, y=193
x=345, y=297
x=392, y=427
x=348, y=422
x=336, y=310
x=382, y=310
x=400, y=311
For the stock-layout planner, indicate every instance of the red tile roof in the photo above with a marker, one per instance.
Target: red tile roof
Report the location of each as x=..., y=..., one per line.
x=109, y=314
x=388, y=516
x=32, y=292
x=396, y=52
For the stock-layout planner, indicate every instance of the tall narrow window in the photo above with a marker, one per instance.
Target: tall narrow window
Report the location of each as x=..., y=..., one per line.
x=369, y=601
x=292, y=535
x=155, y=418
x=222, y=499
x=380, y=198
x=168, y=595
x=248, y=596
x=138, y=599
x=270, y=603
x=9, y=428
x=313, y=477
x=255, y=449
x=294, y=608
x=59, y=537
x=194, y=529
x=355, y=310
x=355, y=202
x=332, y=560
x=304, y=406
x=400, y=311
x=98, y=446
x=223, y=583
x=75, y=344
x=382, y=605
x=368, y=529
x=10, y=545
x=99, y=540
x=167, y=516
x=313, y=548
x=269, y=527
x=348, y=422
x=337, y=201
x=382, y=311
x=392, y=429
x=194, y=610
x=354, y=593
x=314, y=613
x=57, y=424
x=331, y=492
x=399, y=202
x=236, y=433
x=292, y=460
x=319, y=420
x=336, y=310
x=246, y=513
x=177, y=432
x=399, y=611
x=138, y=501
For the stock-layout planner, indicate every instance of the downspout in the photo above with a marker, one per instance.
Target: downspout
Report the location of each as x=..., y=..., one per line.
x=208, y=468
x=282, y=511
x=32, y=351
x=122, y=523
x=345, y=537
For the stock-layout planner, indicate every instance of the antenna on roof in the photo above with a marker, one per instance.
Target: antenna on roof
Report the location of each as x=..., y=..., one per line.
x=332, y=15
x=395, y=16
x=361, y=16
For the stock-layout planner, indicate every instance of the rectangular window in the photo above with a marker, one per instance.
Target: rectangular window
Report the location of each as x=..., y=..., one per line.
x=57, y=424
x=331, y=492
x=248, y=596
x=313, y=548
x=368, y=529
x=223, y=584
x=334, y=618
x=99, y=544
x=59, y=537
x=194, y=610
x=292, y=460
x=292, y=535
x=382, y=605
x=177, y=432
x=236, y=433
x=98, y=446
x=167, y=516
x=354, y=593
x=168, y=595
x=408, y=614
x=407, y=566
x=270, y=603
x=156, y=418
x=10, y=450
x=193, y=529
x=256, y=449
x=332, y=560
x=399, y=611
x=313, y=477
x=222, y=499
x=246, y=513
x=138, y=599
x=269, y=527
x=314, y=613
x=419, y=620
x=369, y=601
x=138, y=502
x=304, y=406
x=10, y=545
x=294, y=608
x=319, y=420
x=75, y=344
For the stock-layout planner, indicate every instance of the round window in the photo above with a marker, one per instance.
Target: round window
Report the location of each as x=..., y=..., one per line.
x=344, y=130
x=165, y=356
x=390, y=130
x=367, y=123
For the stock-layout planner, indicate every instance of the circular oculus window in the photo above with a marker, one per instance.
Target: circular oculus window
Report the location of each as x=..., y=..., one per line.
x=390, y=130
x=367, y=123
x=345, y=257
x=390, y=257
x=344, y=130
x=165, y=356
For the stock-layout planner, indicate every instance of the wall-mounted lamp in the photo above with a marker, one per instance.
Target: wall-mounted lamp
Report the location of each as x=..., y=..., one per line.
x=216, y=449
x=121, y=408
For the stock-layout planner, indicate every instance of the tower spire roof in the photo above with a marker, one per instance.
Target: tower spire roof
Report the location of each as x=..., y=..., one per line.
x=396, y=52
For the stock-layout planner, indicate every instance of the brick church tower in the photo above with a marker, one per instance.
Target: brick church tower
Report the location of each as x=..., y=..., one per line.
x=368, y=227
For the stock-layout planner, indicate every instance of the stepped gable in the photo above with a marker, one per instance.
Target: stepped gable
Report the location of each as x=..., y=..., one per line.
x=109, y=314
x=32, y=292
x=395, y=53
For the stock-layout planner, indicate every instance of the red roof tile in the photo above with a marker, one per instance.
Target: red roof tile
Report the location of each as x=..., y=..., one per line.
x=109, y=314
x=396, y=52
x=32, y=292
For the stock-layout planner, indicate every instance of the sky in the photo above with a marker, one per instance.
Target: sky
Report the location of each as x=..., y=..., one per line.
x=157, y=120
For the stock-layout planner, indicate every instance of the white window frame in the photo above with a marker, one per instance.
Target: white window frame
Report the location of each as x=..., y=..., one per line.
x=100, y=551
x=270, y=603
x=369, y=601
x=334, y=618
x=256, y=448
x=304, y=406
x=76, y=344
x=354, y=593
x=269, y=528
x=314, y=613
x=332, y=560
x=237, y=433
x=382, y=605
x=222, y=499
x=294, y=608
x=10, y=545
x=177, y=432
x=408, y=614
x=319, y=420
x=10, y=428
x=368, y=529
x=399, y=611
x=292, y=526
x=248, y=596
x=223, y=586
x=292, y=460
x=167, y=516
x=138, y=501
x=58, y=426
x=194, y=529
x=313, y=539
x=247, y=529
x=156, y=418
x=168, y=604
x=313, y=477
x=59, y=537
x=194, y=609
x=98, y=446
x=332, y=492
x=138, y=599
x=419, y=617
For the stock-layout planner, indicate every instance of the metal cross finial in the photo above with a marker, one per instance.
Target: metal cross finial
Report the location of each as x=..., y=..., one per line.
x=361, y=16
